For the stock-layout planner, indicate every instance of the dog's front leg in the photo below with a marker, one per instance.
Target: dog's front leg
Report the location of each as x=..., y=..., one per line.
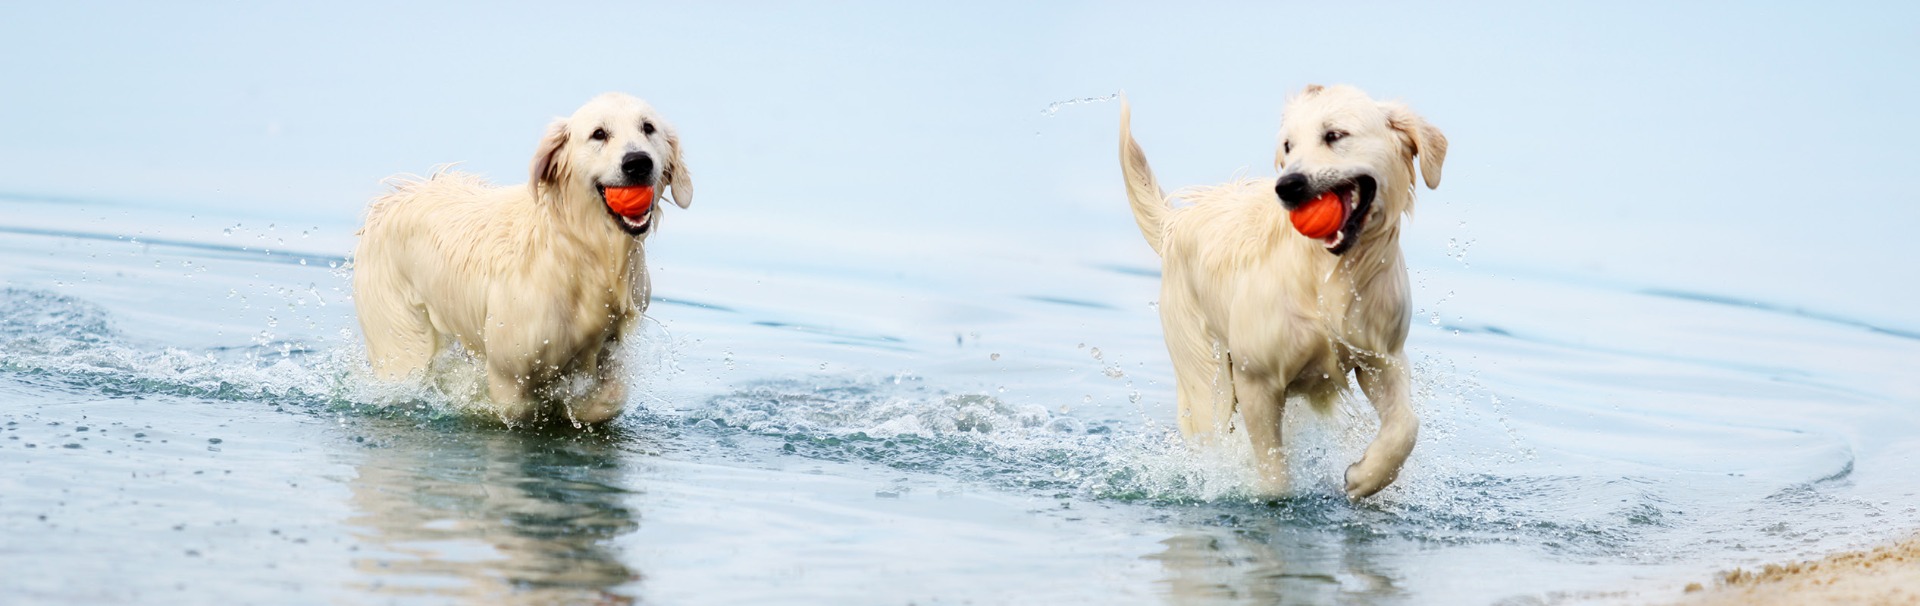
x=508, y=385
x=609, y=392
x=1262, y=405
x=1386, y=381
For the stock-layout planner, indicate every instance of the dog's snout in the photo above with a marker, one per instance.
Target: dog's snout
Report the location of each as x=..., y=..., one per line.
x=638, y=167
x=1292, y=189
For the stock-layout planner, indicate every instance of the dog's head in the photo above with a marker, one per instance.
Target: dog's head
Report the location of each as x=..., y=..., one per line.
x=615, y=140
x=1337, y=139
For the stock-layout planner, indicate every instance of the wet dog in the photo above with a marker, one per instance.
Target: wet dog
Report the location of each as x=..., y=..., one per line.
x=540, y=282
x=1256, y=313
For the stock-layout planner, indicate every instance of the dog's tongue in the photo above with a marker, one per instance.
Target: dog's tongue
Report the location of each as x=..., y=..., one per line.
x=630, y=202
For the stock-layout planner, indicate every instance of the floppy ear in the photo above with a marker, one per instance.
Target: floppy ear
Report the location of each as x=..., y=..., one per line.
x=547, y=170
x=679, y=181
x=1428, y=144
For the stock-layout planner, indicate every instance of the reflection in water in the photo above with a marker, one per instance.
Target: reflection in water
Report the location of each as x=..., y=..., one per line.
x=490, y=515
x=1271, y=563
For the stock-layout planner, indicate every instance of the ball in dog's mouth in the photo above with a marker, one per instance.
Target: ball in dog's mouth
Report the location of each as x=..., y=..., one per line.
x=1346, y=206
x=1321, y=217
x=630, y=206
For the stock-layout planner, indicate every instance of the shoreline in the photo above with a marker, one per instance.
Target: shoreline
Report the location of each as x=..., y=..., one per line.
x=1887, y=574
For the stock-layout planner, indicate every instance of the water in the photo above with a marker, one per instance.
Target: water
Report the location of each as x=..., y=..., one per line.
x=188, y=417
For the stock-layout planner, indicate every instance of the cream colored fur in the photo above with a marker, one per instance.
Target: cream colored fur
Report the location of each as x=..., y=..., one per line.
x=539, y=281
x=1256, y=314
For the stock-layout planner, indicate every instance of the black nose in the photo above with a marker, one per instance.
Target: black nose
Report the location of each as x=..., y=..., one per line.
x=1292, y=189
x=638, y=167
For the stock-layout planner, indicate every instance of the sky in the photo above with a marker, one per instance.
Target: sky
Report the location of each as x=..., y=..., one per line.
x=1748, y=149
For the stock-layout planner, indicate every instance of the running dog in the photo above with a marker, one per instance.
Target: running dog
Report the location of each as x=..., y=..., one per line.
x=540, y=282
x=1256, y=313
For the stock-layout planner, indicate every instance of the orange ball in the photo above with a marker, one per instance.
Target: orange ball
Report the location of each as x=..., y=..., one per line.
x=630, y=202
x=1320, y=217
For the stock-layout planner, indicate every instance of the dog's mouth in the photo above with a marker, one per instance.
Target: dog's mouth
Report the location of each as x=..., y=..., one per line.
x=630, y=207
x=1356, y=194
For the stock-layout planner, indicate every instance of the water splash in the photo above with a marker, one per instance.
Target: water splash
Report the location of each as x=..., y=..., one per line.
x=1055, y=107
x=1445, y=495
x=60, y=341
x=972, y=436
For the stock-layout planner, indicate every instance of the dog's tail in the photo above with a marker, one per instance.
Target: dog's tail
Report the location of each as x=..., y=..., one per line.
x=1149, y=201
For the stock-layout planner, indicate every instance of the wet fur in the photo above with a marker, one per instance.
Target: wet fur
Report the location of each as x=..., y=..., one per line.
x=1256, y=314
x=537, y=281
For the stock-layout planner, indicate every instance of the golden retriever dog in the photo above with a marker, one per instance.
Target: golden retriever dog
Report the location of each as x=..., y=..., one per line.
x=1256, y=313
x=539, y=282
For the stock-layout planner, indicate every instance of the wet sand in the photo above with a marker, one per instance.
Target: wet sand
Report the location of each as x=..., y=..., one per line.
x=1889, y=574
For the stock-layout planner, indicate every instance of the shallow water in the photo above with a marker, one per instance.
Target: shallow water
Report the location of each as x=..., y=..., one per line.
x=187, y=416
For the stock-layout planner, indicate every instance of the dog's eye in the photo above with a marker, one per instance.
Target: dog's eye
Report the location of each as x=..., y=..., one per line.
x=1333, y=135
x=1286, y=147
x=599, y=134
x=646, y=127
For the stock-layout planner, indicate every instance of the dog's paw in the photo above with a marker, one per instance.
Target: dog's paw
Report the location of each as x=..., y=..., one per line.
x=605, y=403
x=594, y=413
x=1272, y=482
x=1362, y=482
x=1272, y=488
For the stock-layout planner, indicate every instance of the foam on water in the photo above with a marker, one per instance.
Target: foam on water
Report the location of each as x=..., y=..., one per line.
x=1447, y=494
x=62, y=341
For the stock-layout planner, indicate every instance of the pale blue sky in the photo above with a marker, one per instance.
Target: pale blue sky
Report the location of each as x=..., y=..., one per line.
x=1753, y=149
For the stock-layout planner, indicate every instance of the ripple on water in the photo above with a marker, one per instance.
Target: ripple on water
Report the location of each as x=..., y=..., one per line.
x=1468, y=484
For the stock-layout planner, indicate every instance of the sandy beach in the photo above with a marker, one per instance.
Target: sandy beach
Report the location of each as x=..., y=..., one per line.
x=1889, y=574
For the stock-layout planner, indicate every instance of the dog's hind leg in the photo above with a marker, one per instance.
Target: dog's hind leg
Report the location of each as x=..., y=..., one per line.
x=1386, y=381
x=400, y=339
x=1203, y=383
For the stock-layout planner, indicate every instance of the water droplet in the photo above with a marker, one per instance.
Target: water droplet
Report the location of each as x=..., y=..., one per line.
x=994, y=357
x=1055, y=107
